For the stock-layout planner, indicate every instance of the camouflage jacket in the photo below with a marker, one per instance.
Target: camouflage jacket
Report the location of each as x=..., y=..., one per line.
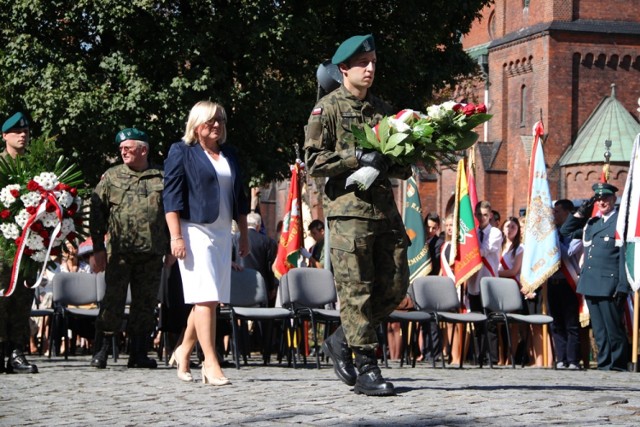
x=330, y=152
x=128, y=205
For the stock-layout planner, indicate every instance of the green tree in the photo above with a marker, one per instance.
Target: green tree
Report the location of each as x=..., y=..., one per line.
x=83, y=69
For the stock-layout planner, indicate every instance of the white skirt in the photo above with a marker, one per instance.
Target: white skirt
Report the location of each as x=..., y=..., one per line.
x=206, y=268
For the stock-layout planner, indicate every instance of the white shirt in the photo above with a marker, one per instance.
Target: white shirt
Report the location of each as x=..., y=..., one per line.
x=490, y=249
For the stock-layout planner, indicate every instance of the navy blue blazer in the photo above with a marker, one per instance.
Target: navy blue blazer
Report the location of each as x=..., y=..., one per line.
x=191, y=184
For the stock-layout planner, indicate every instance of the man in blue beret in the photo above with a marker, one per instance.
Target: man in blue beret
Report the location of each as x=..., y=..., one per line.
x=15, y=310
x=367, y=237
x=127, y=205
x=603, y=279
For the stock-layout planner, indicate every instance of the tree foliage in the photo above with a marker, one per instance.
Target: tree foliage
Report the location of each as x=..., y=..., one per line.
x=83, y=69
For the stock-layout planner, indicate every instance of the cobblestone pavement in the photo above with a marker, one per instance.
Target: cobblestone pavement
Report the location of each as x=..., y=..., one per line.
x=70, y=392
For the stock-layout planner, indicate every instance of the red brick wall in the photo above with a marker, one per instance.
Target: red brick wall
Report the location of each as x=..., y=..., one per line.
x=609, y=10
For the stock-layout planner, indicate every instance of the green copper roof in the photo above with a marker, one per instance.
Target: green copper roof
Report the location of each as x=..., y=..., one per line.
x=609, y=121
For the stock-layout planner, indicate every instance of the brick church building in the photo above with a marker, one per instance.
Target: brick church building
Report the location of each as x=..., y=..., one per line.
x=573, y=63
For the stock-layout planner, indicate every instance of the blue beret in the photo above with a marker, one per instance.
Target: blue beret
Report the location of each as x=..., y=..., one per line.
x=18, y=120
x=604, y=189
x=353, y=45
x=131, y=133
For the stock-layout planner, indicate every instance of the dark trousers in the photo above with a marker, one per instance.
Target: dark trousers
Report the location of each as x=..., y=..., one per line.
x=563, y=304
x=491, y=330
x=608, y=330
x=15, y=311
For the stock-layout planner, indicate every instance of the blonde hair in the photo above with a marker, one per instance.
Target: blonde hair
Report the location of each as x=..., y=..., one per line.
x=201, y=113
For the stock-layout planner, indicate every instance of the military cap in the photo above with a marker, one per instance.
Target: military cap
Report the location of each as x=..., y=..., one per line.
x=352, y=46
x=604, y=189
x=18, y=120
x=131, y=133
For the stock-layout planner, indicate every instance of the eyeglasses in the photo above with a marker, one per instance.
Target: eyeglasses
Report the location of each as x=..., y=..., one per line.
x=219, y=120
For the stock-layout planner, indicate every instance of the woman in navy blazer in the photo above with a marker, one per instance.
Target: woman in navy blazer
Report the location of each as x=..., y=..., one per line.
x=203, y=192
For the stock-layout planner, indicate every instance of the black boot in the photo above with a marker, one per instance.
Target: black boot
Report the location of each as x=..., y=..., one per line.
x=18, y=363
x=138, y=354
x=370, y=381
x=101, y=350
x=337, y=349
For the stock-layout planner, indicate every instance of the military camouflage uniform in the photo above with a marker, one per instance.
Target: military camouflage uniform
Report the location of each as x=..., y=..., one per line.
x=128, y=205
x=16, y=309
x=368, y=239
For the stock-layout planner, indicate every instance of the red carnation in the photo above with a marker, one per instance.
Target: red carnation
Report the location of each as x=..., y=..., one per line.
x=51, y=207
x=44, y=234
x=481, y=109
x=71, y=211
x=5, y=213
x=71, y=236
x=46, y=243
x=64, y=187
x=31, y=210
x=73, y=191
x=33, y=186
x=15, y=193
x=37, y=226
x=28, y=251
x=457, y=108
x=469, y=110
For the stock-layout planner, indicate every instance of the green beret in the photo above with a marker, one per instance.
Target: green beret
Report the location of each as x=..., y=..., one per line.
x=18, y=120
x=352, y=46
x=131, y=133
x=604, y=189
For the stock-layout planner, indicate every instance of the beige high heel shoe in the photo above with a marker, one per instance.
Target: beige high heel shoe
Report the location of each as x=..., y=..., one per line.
x=183, y=376
x=213, y=380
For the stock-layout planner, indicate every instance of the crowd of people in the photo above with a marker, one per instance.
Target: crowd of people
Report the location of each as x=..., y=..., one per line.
x=177, y=219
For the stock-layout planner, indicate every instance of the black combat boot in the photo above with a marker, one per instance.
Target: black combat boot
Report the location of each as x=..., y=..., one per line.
x=370, y=381
x=138, y=357
x=101, y=350
x=18, y=363
x=337, y=349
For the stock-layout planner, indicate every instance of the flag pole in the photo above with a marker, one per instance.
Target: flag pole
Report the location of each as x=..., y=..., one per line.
x=634, y=346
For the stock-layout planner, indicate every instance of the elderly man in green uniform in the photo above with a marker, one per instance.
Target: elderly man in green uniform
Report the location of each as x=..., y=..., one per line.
x=127, y=205
x=15, y=310
x=603, y=279
x=368, y=239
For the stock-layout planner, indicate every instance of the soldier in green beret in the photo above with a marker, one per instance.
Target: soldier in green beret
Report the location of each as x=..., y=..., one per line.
x=127, y=205
x=367, y=237
x=603, y=279
x=15, y=310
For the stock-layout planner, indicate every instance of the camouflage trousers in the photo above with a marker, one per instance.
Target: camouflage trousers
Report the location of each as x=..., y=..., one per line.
x=370, y=266
x=15, y=311
x=142, y=271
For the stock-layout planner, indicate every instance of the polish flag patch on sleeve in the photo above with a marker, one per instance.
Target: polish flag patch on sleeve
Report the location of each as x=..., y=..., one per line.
x=316, y=111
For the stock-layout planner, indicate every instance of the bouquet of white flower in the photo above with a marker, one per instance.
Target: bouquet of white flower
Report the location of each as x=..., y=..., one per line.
x=411, y=137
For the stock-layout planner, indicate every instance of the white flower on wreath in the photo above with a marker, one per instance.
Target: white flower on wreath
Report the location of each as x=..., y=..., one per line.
x=67, y=226
x=65, y=199
x=49, y=219
x=35, y=242
x=32, y=198
x=39, y=256
x=22, y=217
x=399, y=126
x=47, y=180
x=10, y=231
x=6, y=197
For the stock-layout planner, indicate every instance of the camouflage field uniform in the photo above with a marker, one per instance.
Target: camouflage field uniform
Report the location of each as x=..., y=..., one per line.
x=368, y=239
x=128, y=205
x=16, y=309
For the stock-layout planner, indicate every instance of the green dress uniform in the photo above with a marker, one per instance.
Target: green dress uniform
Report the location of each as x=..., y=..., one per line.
x=127, y=205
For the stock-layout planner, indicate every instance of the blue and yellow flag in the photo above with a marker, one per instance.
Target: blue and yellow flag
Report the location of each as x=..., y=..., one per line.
x=541, y=257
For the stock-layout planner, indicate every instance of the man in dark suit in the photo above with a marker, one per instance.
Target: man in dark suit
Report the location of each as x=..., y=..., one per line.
x=603, y=280
x=262, y=255
x=435, y=240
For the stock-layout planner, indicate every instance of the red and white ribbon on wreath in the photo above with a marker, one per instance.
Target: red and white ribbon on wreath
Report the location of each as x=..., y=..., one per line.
x=49, y=197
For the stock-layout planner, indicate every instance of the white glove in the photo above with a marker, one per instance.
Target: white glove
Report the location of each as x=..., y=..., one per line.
x=305, y=253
